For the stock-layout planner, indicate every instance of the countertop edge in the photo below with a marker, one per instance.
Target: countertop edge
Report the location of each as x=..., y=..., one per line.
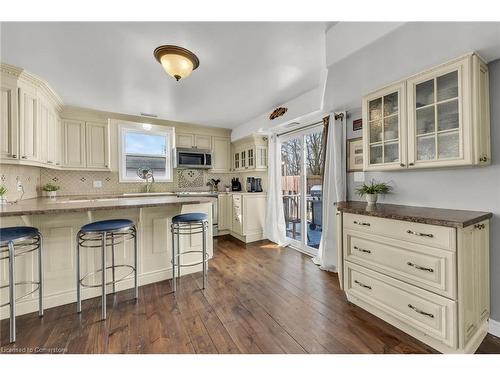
x=62, y=210
x=419, y=219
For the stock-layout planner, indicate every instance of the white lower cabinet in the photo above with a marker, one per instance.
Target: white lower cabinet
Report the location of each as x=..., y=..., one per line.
x=242, y=215
x=430, y=281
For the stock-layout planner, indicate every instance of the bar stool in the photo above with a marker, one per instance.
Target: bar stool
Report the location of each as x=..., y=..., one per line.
x=188, y=224
x=16, y=242
x=104, y=234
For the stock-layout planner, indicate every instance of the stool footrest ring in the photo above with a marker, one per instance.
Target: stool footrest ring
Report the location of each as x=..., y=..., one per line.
x=132, y=270
x=24, y=295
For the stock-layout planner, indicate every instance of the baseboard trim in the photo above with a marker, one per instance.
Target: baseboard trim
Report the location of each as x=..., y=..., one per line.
x=494, y=328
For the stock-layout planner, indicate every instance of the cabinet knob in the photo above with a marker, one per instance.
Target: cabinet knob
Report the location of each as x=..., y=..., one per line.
x=23, y=157
x=411, y=164
x=14, y=156
x=402, y=164
x=49, y=162
x=483, y=159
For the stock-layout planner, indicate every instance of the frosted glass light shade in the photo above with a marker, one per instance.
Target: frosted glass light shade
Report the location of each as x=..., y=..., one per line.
x=177, y=66
x=178, y=62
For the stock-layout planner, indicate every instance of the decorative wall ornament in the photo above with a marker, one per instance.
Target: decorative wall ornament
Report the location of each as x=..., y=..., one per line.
x=278, y=112
x=190, y=178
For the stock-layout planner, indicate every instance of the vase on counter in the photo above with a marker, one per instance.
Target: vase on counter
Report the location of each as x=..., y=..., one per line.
x=371, y=198
x=52, y=194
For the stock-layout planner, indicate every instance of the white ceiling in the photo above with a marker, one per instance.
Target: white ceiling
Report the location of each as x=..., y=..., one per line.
x=245, y=68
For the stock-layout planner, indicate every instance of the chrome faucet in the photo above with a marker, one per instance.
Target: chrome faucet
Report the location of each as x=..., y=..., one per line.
x=147, y=175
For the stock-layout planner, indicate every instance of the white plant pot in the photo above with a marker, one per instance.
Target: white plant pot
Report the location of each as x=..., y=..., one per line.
x=3, y=200
x=51, y=194
x=371, y=198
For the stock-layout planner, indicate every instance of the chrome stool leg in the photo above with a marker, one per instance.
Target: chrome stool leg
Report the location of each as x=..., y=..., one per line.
x=40, y=276
x=178, y=255
x=78, y=281
x=12, y=293
x=103, y=261
x=173, y=257
x=136, y=289
x=113, y=261
x=204, y=249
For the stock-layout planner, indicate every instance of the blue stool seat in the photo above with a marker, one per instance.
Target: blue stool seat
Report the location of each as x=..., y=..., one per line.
x=189, y=218
x=16, y=233
x=107, y=225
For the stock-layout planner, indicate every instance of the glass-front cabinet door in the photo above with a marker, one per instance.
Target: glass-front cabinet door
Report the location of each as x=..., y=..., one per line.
x=383, y=134
x=437, y=105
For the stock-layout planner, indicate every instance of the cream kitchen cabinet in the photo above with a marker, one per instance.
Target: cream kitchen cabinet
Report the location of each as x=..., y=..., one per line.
x=224, y=209
x=438, y=118
x=250, y=154
x=221, y=155
x=199, y=141
x=29, y=120
x=248, y=213
x=428, y=278
x=9, y=130
x=384, y=135
x=73, y=143
x=29, y=130
x=97, y=145
x=85, y=145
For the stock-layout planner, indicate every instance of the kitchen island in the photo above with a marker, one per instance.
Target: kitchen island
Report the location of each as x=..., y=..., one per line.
x=60, y=219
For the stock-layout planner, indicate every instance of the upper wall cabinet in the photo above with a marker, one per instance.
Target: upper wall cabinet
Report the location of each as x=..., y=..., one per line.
x=96, y=140
x=385, y=133
x=185, y=140
x=85, y=145
x=250, y=154
x=221, y=154
x=440, y=118
x=9, y=141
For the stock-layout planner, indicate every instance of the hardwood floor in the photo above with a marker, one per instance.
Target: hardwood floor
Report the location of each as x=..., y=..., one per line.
x=260, y=299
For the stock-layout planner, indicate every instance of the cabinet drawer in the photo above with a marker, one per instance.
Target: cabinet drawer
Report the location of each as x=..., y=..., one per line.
x=430, y=235
x=412, y=307
x=429, y=268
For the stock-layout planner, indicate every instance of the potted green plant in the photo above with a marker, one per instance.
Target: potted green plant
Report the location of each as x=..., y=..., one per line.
x=50, y=189
x=372, y=190
x=3, y=198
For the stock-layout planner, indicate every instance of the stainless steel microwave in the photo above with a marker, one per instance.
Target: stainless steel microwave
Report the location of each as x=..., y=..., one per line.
x=189, y=158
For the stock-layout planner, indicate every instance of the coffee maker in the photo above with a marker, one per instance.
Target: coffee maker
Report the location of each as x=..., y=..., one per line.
x=235, y=184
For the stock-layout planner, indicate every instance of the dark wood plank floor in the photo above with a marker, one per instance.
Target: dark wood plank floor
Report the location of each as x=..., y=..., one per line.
x=260, y=299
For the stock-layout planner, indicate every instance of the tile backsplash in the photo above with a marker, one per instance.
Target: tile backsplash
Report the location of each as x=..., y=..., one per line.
x=82, y=182
x=29, y=177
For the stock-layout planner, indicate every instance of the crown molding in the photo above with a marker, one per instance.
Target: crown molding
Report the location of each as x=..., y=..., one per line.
x=30, y=78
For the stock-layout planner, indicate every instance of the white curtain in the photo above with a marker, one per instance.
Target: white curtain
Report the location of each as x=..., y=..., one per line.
x=275, y=229
x=334, y=190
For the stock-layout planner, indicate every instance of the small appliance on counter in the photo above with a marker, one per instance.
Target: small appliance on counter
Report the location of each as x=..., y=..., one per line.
x=254, y=185
x=235, y=184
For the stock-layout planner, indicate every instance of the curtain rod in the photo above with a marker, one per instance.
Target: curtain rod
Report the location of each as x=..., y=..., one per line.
x=301, y=128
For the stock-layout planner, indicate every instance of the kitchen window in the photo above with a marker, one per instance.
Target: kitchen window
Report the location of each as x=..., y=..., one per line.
x=145, y=146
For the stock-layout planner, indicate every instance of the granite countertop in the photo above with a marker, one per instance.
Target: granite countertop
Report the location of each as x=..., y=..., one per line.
x=38, y=206
x=425, y=215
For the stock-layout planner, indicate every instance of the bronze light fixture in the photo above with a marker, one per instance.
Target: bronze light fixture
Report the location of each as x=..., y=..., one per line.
x=178, y=62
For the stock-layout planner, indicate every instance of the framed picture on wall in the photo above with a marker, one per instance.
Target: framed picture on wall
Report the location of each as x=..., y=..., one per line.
x=357, y=124
x=355, y=154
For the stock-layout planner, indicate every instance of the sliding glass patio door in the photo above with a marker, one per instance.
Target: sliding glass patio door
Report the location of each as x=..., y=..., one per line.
x=302, y=168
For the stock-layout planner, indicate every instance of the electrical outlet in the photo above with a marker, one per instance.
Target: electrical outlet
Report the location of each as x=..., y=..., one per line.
x=97, y=184
x=19, y=185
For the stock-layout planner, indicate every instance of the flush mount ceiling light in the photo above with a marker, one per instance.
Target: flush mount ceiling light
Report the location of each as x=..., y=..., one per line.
x=178, y=62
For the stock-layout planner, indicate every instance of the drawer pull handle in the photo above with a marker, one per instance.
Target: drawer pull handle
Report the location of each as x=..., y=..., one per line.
x=363, y=285
x=419, y=267
x=420, y=311
x=361, y=223
x=479, y=226
x=362, y=250
x=420, y=234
